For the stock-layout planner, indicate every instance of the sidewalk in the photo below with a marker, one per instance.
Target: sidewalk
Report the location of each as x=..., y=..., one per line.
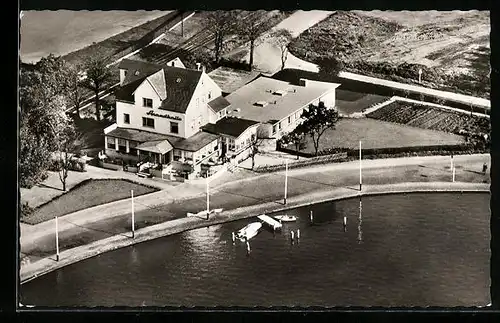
x=243, y=190
x=71, y=256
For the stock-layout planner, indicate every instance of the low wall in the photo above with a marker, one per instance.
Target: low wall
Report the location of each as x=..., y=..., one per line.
x=33, y=270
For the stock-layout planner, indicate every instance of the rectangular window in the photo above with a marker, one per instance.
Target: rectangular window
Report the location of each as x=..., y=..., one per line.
x=177, y=154
x=126, y=118
x=209, y=95
x=174, y=127
x=290, y=119
x=274, y=128
x=279, y=125
x=188, y=155
x=148, y=122
x=148, y=103
x=111, y=143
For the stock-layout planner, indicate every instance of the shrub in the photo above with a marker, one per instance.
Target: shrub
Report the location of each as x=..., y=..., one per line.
x=26, y=210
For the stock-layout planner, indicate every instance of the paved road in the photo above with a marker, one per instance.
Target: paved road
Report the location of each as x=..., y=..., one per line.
x=267, y=56
x=243, y=189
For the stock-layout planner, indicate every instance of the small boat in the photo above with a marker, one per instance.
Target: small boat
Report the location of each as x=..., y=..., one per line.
x=286, y=218
x=249, y=231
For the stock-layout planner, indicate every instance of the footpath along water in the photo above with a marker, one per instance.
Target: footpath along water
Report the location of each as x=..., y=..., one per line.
x=404, y=250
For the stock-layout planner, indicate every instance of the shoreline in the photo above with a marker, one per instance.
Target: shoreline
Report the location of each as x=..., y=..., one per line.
x=68, y=257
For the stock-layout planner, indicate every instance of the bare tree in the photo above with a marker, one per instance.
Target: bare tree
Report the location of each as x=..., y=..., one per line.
x=98, y=76
x=68, y=147
x=220, y=23
x=281, y=38
x=318, y=119
x=75, y=95
x=251, y=27
x=256, y=142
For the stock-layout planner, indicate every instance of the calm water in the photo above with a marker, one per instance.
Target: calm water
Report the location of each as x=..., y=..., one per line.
x=407, y=250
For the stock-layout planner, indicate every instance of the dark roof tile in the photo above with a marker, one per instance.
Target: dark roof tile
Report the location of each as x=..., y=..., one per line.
x=230, y=126
x=218, y=104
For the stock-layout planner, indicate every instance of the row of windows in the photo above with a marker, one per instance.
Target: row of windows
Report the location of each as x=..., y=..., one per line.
x=291, y=118
x=150, y=123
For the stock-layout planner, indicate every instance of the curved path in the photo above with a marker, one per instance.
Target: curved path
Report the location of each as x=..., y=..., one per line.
x=267, y=56
x=71, y=256
x=243, y=192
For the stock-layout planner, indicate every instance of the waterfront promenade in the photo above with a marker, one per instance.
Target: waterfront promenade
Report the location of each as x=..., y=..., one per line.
x=241, y=194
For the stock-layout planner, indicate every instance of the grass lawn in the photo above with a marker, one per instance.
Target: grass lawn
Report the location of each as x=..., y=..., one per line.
x=379, y=134
x=348, y=102
x=89, y=193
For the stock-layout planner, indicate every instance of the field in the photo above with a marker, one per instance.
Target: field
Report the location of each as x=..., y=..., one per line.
x=348, y=102
x=87, y=194
x=379, y=134
x=427, y=117
x=450, y=45
x=63, y=31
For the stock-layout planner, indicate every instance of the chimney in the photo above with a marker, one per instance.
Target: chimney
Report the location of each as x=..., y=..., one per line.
x=303, y=82
x=274, y=101
x=203, y=69
x=294, y=90
x=198, y=66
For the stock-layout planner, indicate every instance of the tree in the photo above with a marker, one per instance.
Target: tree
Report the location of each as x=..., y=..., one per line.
x=329, y=66
x=255, y=143
x=220, y=22
x=281, y=38
x=251, y=27
x=98, y=76
x=68, y=146
x=318, y=119
x=75, y=95
x=297, y=138
x=42, y=116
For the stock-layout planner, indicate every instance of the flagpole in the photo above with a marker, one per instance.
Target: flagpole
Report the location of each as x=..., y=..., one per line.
x=208, y=199
x=286, y=178
x=133, y=215
x=360, y=178
x=57, y=240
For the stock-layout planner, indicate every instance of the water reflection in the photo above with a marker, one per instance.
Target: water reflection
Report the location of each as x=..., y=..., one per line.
x=411, y=261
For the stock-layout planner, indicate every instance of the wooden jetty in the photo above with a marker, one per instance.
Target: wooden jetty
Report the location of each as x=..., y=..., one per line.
x=275, y=225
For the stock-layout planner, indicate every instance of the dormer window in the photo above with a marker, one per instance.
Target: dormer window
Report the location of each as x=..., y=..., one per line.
x=148, y=103
x=136, y=73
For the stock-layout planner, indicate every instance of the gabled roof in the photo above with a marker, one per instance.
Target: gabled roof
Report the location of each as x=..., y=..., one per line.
x=230, y=126
x=137, y=69
x=218, y=104
x=177, y=84
x=180, y=85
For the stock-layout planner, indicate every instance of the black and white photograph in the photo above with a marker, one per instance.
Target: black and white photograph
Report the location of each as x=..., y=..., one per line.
x=271, y=158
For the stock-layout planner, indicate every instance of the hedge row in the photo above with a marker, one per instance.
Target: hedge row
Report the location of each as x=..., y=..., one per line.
x=314, y=161
x=354, y=155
